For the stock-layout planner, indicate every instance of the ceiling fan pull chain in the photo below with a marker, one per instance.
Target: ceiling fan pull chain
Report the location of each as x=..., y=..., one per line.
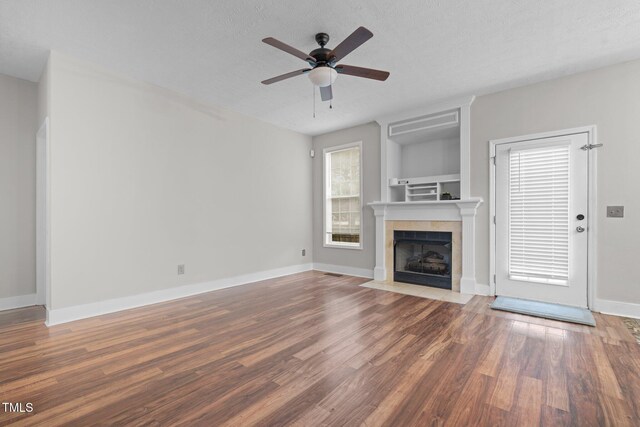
x=314, y=101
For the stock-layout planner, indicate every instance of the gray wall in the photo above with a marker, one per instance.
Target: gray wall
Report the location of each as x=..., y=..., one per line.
x=18, y=127
x=369, y=134
x=609, y=98
x=144, y=179
x=439, y=157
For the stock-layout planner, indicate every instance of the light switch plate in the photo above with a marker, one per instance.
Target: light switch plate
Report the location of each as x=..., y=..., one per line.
x=615, y=211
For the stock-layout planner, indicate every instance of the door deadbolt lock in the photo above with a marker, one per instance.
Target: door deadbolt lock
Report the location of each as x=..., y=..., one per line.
x=580, y=229
x=580, y=217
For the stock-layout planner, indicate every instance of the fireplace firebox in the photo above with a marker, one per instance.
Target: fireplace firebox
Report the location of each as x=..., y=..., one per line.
x=422, y=258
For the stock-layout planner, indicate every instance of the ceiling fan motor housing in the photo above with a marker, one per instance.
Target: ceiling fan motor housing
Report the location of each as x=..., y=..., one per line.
x=322, y=55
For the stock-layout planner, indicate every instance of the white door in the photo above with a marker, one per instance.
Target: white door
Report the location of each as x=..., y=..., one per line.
x=541, y=219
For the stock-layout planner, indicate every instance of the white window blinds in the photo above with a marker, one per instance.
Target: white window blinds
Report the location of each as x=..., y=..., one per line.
x=539, y=215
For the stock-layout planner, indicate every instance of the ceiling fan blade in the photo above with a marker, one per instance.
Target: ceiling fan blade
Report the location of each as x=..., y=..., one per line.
x=326, y=93
x=285, y=76
x=349, y=44
x=291, y=50
x=367, y=73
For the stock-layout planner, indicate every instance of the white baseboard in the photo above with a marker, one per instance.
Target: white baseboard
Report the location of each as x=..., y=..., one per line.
x=468, y=285
x=617, y=308
x=68, y=314
x=10, y=303
x=482, y=289
x=379, y=273
x=343, y=269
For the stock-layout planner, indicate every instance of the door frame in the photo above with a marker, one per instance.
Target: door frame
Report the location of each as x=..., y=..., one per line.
x=592, y=210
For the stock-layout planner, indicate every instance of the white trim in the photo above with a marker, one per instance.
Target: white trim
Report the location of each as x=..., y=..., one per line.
x=541, y=135
x=449, y=104
x=442, y=210
x=345, y=245
x=468, y=210
x=68, y=314
x=483, y=289
x=464, y=104
x=343, y=269
x=465, y=150
x=326, y=150
x=43, y=273
x=492, y=214
x=9, y=303
x=384, y=182
x=592, y=260
x=379, y=271
x=592, y=249
x=617, y=308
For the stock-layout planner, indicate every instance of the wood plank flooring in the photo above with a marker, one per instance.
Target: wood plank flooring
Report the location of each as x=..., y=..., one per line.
x=312, y=349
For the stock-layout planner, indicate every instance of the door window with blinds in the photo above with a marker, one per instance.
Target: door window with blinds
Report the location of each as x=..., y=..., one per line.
x=342, y=196
x=538, y=194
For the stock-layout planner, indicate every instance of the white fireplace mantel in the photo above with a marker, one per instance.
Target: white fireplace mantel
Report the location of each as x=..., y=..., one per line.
x=442, y=210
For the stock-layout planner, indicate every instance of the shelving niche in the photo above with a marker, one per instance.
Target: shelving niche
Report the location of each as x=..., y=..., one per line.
x=423, y=157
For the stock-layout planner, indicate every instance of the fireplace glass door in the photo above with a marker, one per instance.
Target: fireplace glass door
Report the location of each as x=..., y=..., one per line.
x=422, y=258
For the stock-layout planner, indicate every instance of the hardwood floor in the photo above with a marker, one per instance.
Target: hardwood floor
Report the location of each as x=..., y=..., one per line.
x=312, y=349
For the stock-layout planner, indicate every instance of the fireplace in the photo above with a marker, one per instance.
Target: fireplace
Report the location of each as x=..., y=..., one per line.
x=422, y=258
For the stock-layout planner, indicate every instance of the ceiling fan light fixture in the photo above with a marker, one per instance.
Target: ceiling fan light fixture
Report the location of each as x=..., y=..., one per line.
x=323, y=76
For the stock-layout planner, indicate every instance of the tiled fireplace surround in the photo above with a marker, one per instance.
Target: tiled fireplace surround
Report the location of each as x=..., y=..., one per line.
x=456, y=216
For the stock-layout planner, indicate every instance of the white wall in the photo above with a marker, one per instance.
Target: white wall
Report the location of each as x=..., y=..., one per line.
x=18, y=126
x=609, y=98
x=143, y=179
x=369, y=134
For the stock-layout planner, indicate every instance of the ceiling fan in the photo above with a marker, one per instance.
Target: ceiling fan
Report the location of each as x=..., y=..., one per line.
x=324, y=62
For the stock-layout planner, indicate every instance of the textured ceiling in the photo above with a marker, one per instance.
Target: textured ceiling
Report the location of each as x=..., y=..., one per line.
x=434, y=49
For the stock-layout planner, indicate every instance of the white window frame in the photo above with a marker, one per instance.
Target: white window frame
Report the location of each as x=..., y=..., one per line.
x=325, y=176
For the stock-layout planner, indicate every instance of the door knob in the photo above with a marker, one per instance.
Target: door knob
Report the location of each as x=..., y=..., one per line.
x=580, y=229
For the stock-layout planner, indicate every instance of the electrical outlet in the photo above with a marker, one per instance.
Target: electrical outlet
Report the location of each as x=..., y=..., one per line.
x=615, y=211
x=181, y=269
x=304, y=252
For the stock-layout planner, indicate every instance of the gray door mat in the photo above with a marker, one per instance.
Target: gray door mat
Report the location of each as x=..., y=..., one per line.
x=546, y=310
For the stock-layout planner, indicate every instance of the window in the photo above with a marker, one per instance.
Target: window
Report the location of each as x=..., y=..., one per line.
x=539, y=215
x=342, y=201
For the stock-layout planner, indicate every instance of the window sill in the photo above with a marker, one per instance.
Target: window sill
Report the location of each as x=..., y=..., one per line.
x=328, y=245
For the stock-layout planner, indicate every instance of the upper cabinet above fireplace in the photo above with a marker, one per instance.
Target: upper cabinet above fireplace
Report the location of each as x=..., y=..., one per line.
x=425, y=154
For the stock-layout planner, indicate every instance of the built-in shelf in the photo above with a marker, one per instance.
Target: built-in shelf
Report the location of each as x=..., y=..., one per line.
x=427, y=188
x=425, y=151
